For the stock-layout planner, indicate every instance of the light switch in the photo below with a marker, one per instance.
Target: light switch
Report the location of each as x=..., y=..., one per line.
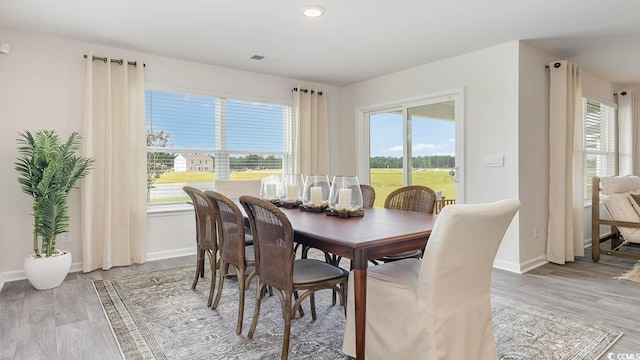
x=494, y=160
x=5, y=48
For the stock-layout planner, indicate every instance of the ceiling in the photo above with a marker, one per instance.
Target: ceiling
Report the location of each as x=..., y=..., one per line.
x=355, y=40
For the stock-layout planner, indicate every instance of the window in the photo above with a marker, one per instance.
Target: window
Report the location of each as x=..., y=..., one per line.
x=417, y=141
x=599, y=142
x=195, y=139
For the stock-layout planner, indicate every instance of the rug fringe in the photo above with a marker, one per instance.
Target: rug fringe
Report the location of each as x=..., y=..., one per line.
x=631, y=275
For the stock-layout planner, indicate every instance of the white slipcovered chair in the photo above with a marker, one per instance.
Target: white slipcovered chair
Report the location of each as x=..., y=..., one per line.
x=438, y=307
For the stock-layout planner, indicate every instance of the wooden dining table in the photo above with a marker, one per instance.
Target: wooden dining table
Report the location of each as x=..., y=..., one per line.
x=380, y=232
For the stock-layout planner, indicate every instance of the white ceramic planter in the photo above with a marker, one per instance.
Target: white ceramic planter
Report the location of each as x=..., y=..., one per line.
x=47, y=272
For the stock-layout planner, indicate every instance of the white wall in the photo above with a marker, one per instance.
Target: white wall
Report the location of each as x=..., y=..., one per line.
x=490, y=81
x=42, y=86
x=534, y=155
x=506, y=111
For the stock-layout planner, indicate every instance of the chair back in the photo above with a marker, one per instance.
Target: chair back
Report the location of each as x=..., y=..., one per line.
x=415, y=198
x=272, y=242
x=206, y=236
x=233, y=189
x=230, y=223
x=453, y=291
x=368, y=195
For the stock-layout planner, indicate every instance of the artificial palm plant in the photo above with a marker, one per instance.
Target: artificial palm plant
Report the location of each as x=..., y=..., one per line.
x=47, y=170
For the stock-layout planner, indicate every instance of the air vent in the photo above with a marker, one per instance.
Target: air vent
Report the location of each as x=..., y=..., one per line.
x=257, y=57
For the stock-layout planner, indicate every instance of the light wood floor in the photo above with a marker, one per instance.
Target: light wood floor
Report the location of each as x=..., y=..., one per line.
x=68, y=322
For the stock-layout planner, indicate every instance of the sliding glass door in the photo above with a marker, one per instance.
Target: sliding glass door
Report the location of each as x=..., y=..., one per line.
x=415, y=142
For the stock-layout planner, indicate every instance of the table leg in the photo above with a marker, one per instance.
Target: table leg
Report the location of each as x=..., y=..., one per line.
x=360, y=300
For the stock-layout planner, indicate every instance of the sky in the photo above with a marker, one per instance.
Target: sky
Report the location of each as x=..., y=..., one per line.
x=429, y=136
x=190, y=120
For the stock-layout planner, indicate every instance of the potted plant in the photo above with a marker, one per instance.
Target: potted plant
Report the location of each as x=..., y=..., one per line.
x=48, y=169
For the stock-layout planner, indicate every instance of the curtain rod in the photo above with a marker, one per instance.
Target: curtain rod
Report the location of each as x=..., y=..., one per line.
x=306, y=91
x=119, y=61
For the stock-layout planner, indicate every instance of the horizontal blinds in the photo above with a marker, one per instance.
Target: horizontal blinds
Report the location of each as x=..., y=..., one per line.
x=194, y=139
x=189, y=120
x=255, y=126
x=599, y=141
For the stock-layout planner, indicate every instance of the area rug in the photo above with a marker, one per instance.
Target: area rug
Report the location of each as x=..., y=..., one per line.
x=157, y=316
x=631, y=275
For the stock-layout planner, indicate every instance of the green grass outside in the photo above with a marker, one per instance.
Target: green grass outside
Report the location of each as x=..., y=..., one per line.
x=383, y=180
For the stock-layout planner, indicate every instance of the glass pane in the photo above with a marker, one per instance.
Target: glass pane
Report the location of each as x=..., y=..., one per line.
x=386, y=154
x=176, y=171
x=255, y=126
x=432, y=134
x=254, y=167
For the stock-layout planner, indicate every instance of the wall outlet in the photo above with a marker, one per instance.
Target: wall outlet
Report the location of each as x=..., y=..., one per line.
x=535, y=232
x=65, y=237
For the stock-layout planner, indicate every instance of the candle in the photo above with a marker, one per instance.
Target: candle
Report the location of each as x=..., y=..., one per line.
x=270, y=191
x=292, y=192
x=316, y=195
x=344, y=199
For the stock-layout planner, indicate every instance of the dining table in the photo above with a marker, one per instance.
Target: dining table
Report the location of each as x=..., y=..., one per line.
x=380, y=232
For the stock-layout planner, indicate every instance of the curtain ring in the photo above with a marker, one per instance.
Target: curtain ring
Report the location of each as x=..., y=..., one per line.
x=557, y=65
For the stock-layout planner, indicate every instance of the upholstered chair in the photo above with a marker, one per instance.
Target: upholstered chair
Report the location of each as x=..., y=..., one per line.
x=232, y=247
x=206, y=236
x=276, y=266
x=438, y=307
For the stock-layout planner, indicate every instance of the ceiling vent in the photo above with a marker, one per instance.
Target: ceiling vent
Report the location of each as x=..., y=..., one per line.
x=257, y=57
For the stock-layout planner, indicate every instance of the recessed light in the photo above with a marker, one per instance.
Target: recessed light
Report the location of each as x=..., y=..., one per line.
x=257, y=57
x=313, y=11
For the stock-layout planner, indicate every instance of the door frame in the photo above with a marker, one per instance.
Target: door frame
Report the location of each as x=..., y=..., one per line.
x=363, y=132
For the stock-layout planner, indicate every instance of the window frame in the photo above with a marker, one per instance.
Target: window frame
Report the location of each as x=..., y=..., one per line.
x=611, y=151
x=218, y=151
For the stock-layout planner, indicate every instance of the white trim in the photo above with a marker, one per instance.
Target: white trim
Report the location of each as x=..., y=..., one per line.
x=168, y=254
x=362, y=131
x=16, y=275
x=522, y=267
x=221, y=95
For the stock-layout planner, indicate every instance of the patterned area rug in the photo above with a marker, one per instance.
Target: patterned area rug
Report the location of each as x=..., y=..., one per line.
x=157, y=316
x=631, y=275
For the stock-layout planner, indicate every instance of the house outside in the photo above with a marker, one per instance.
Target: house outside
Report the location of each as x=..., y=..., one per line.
x=193, y=162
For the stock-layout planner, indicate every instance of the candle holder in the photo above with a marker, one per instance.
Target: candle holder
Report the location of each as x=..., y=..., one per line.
x=315, y=196
x=272, y=188
x=345, y=197
x=293, y=185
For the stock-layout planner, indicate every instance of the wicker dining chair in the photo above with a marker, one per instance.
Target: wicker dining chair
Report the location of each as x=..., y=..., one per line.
x=232, y=247
x=206, y=237
x=415, y=198
x=368, y=195
x=276, y=266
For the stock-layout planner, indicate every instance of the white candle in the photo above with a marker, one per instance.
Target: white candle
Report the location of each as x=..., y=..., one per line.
x=270, y=191
x=292, y=192
x=344, y=199
x=316, y=195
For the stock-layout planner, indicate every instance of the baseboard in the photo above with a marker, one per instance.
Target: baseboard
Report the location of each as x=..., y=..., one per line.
x=168, y=254
x=16, y=275
x=520, y=268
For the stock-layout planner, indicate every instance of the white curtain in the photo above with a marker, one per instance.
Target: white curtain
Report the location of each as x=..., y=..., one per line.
x=310, y=132
x=566, y=163
x=114, y=195
x=629, y=125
